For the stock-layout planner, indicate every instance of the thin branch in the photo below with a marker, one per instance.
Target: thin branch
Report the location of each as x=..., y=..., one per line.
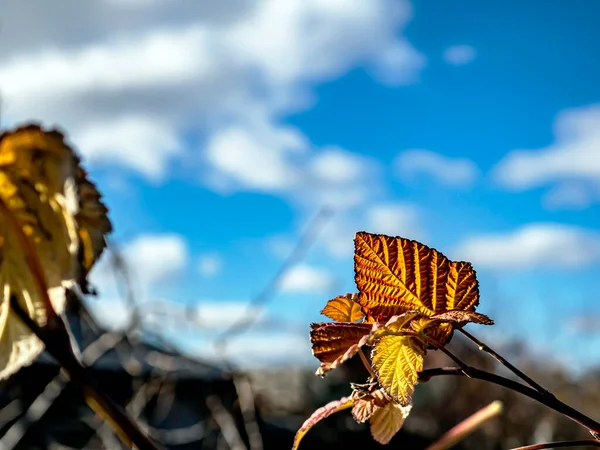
x=561, y=444
x=58, y=345
x=490, y=351
x=550, y=402
x=467, y=426
x=365, y=361
x=266, y=294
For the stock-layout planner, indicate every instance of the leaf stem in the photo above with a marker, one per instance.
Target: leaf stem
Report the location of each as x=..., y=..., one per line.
x=490, y=351
x=365, y=361
x=561, y=444
x=550, y=402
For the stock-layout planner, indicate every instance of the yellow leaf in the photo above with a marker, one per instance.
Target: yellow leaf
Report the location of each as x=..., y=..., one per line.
x=397, y=361
x=343, y=309
x=320, y=414
x=93, y=224
x=395, y=275
x=387, y=421
x=39, y=236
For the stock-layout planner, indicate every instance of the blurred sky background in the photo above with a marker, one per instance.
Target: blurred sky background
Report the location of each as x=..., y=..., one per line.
x=217, y=129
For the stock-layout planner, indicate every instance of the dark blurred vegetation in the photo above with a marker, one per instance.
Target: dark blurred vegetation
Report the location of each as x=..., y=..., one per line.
x=189, y=404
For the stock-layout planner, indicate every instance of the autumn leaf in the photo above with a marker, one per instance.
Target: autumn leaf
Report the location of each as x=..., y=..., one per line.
x=395, y=275
x=343, y=309
x=397, y=360
x=459, y=317
x=320, y=414
x=334, y=343
x=387, y=421
x=366, y=403
x=39, y=236
x=93, y=225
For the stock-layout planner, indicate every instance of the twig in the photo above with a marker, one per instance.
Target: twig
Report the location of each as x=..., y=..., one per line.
x=467, y=426
x=490, y=351
x=58, y=345
x=266, y=294
x=561, y=444
x=550, y=402
x=226, y=423
x=248, y=408
x=365, y=361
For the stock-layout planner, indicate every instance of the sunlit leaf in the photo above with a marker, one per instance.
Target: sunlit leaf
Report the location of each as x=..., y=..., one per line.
x=366, y=403
x=334, y=343
x=395, y=275
x=343, y=309
x=320, y=414
x=37, y=231
x=93, y=224
x=459, y=317
x=397, y=361
x=387, y=421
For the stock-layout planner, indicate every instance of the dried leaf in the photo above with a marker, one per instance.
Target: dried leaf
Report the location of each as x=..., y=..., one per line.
x=343, y=309
x=39, y=198
x=335, y=342
x=320, y=414
x=93, y=224
x=460, y=318
x=395, y=275
x=366, y=403
x=397, y=360
x=387, y=421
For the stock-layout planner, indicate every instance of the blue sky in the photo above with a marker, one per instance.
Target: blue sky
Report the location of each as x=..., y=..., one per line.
x=216, y=133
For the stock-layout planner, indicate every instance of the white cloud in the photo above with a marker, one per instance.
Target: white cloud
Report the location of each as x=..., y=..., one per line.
x=534, y=245
x=394, y=219
x=337, y=165
x=459, y=172
x=258, y=161
x=210, y=264
x=150, y=258
x=120, y=83
x=218, y=315
x=574, y=155
x=303, y=278
x=144, y=144
x=459, y=55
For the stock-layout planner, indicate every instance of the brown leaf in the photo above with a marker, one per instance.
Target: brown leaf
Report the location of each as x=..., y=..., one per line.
x=366, y=403
x=460, y=318
x=320, y=414
x=395, y=275
x=387, y=421
x=335, y=342
x=343, y=309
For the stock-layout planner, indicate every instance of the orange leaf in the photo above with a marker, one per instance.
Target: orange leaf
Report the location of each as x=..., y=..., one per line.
x=395, y=275
x=343, y=309
x=387, y=421
x=320, y=414
x=334, y=343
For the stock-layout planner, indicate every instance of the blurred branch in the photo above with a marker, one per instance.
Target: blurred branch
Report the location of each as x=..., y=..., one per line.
x=226, y=423
x=561, y=444
x=467, y=426
x=550, y=402
x=267, y=293
x=58, y=345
